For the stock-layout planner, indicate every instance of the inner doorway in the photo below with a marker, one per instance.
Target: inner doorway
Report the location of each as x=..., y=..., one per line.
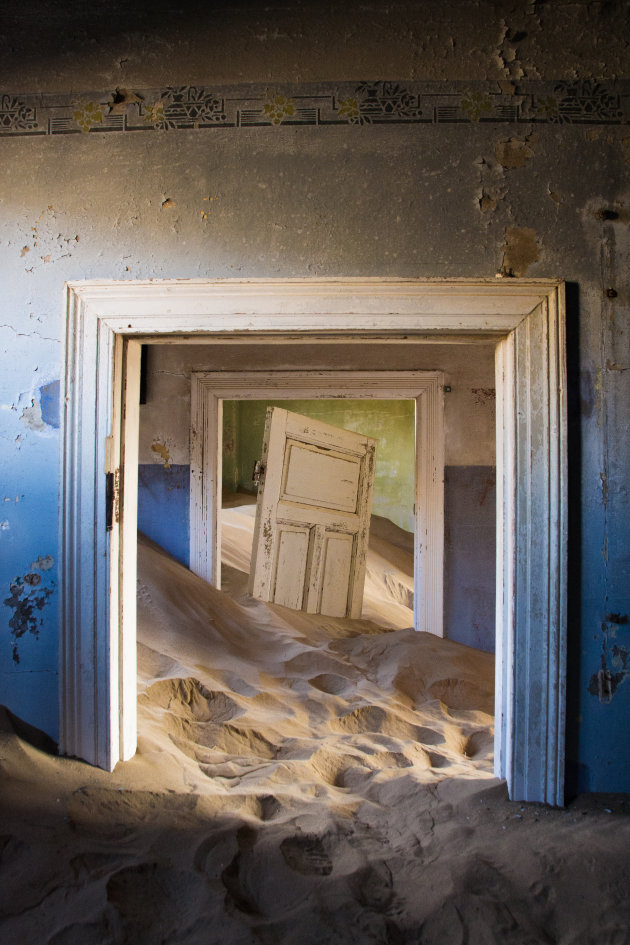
x=211, y=389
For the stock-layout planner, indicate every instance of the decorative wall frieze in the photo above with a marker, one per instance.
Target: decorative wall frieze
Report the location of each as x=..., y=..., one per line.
x=194, y=107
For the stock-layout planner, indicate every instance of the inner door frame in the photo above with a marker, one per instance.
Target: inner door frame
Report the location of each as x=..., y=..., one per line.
x=104, y=323
x=210, y=388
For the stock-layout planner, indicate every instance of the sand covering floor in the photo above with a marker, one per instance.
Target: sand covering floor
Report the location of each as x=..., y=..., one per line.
x=298, y=780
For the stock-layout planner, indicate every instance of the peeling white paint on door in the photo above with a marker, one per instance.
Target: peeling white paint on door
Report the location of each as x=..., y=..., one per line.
x=312, y=516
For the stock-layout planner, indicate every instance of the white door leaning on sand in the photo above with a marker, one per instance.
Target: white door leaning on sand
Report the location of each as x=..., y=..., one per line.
x=312, y=515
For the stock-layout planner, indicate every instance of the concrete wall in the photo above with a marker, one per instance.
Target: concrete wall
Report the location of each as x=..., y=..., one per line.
x=150, y=141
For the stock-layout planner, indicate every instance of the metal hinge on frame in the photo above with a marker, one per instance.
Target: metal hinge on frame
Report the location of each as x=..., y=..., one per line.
x=112, y=499
x=258, y=474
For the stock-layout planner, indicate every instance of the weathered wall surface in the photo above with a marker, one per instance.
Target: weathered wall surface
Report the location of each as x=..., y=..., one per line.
x=502, y=143
x=468, y=370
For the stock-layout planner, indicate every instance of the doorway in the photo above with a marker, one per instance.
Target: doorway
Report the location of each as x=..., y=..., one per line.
x=104, y=325
x=425, y=388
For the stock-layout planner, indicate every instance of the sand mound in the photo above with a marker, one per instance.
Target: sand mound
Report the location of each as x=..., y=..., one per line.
x=289, y=698
x=298, y=780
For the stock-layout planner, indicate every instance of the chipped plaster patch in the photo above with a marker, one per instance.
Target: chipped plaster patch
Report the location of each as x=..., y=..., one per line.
x=507, y=55
x=28, y=596
x=162, y=450
x=520, y=250
x=45, y=238
x=515, y=152
x=483, y=395
x=40, y=408
x=121, y=99
x=31, y=417
x=487, y=204
x=492, y=188
x=49, y=403
x=43, y=563
x=615, y=666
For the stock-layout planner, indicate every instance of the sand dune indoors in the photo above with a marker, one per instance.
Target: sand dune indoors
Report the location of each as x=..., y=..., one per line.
x=298, y=780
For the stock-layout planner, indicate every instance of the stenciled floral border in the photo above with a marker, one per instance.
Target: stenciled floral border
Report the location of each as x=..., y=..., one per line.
x=584, y=102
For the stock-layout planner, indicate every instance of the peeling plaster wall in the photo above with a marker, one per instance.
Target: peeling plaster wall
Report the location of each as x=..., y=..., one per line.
x=510, y=154
x=310, y=40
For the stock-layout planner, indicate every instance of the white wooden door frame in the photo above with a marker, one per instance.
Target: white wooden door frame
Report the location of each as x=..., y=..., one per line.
x=525, y=316
x=210, y=388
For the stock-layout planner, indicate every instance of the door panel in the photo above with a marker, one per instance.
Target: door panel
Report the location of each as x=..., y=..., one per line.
x=312, y=517
x=336, y=574
x=291, y=562
x=321, y=479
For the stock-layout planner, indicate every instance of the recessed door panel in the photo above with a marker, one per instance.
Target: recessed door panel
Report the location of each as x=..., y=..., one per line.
x=319, y=478
x=291, y=562
x=336, y=575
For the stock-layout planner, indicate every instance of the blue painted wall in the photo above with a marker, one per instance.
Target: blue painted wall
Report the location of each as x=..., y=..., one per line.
x=470, y=555
x=163, y=507
x=495, y=158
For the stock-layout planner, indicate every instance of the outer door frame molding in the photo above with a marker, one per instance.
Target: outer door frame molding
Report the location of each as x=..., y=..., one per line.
x=103, y=323
x=210, y=388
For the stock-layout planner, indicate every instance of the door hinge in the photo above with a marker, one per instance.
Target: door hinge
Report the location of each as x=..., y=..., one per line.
x=258, y=474
x=112, y=499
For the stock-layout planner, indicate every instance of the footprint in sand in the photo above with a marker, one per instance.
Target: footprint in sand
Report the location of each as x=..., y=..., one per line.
x=354, y=777
x=153, y=902
x=437, y=760
x=189, y=697
x=117, y=816
x=215, y=853
x=479, y=745
x=374, y=886
x=235, y=879
x=237, y=742
x=305, y=854
x=372, y=718
x=270, y=806
x=460, y=694
x=331, y=684
x=331, y=767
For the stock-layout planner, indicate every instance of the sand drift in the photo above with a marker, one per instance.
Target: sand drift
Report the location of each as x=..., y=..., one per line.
x=298, y=780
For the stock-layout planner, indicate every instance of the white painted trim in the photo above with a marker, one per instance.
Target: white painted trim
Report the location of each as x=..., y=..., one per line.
x=531, y=555
x=531, y=723
x=210, y=389
x=130, y=423
x=506, y=545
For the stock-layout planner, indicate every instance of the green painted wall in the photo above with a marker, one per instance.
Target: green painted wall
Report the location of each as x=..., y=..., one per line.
x=391, y=422
x=230, y=449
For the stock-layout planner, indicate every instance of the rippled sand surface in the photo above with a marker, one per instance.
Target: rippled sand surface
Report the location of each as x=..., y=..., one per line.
x=299, y=780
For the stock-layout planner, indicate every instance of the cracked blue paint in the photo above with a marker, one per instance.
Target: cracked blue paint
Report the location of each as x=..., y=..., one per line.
x=49, y=403
x=28, y=596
